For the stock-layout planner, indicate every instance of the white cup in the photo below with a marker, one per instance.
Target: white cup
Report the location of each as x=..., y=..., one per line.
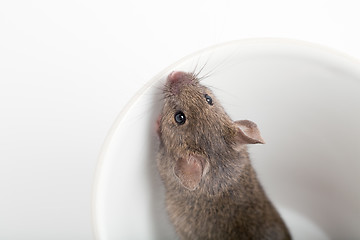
x=305, y=100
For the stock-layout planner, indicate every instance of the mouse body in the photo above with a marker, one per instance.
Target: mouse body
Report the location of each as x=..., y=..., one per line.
x=212, y=191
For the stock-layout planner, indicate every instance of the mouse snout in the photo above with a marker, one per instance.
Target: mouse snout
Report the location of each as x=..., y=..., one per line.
x=176, y=79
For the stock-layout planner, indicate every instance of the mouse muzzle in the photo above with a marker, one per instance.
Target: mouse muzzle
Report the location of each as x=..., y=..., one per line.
x=177, y=79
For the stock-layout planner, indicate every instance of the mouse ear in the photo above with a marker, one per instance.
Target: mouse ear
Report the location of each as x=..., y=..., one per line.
x=190, y=170
x=248, y=133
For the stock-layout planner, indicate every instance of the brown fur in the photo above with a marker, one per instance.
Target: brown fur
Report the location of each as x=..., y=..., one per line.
x=212, y=191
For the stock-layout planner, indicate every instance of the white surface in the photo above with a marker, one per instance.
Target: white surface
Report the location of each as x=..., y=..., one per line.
x=305, y=100
x=65, y=69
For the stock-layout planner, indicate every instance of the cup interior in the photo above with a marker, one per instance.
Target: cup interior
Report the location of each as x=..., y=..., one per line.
x=305, y=100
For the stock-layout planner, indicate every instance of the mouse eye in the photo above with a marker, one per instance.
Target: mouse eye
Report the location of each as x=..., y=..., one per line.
x=180, y=118
x=208, y=99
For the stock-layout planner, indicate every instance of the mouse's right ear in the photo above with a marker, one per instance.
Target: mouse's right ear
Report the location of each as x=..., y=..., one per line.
x=247, y=133
x=189, y=170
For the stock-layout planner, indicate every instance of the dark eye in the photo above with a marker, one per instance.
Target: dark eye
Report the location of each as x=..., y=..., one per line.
x=208, y=99
x=180, y=118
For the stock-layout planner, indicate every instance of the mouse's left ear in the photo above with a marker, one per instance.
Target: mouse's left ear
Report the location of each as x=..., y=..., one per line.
x=247, y=133
x=189, y=170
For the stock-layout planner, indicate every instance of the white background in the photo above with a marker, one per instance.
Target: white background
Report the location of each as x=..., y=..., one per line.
x=68, y=67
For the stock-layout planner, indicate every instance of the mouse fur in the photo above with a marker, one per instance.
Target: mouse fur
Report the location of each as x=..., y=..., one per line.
x=212, y=191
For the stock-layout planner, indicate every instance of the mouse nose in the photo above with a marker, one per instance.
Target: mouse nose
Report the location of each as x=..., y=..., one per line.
x=175, y=77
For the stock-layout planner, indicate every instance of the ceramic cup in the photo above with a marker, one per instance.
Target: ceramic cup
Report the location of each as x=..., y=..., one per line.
x=305, y=100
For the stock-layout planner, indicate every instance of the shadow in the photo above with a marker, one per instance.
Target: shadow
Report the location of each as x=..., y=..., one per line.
x=161, y=224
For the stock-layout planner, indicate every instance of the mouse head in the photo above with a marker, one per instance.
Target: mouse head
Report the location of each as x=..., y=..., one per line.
x=195, y=130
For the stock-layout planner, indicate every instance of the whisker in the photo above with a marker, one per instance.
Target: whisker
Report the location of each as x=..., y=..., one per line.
x=195, y=68
x=202, y=68
x=218, y=66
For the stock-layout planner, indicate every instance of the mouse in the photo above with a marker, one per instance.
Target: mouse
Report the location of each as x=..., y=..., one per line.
x=211, y=188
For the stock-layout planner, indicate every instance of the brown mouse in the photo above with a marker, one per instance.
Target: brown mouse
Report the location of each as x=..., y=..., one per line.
x=212, y=191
